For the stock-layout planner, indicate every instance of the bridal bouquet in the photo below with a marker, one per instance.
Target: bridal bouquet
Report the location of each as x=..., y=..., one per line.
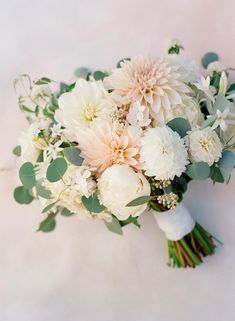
x=116, y=144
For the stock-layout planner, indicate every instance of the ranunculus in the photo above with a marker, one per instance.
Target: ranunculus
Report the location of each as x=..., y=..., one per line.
x=119, y=185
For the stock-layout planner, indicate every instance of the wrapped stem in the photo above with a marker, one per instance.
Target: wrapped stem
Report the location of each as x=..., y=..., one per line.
x=187, y=241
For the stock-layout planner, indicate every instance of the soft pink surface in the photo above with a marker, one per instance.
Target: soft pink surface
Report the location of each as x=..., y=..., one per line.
x=81, y=272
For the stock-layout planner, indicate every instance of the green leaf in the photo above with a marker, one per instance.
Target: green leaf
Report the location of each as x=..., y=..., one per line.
x=139, y=201
x=99, y=75
x=17, y=151
x=180, y=125
x=43, y=81
x=114, y=226
x=209, y=121
x=220, y=103
x=130, y=220
x=92, y=204
x=198, y=171
x=82, y=72
x=22, y=195
x=66, y=212
x=66, y=88
x=42, y=191
x=231, y=87
x=56, y=170
x=48, y=224
x=72, y=154
x=27, y=175
x=49, y=207
x=216, y=174
x=226, y=164
x=179, y=185
x=208, y=58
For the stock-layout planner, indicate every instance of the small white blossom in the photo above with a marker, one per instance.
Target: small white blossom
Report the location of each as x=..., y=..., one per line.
x=223, y=83
x=216, y=66
x=52, y=150
x=204, y=86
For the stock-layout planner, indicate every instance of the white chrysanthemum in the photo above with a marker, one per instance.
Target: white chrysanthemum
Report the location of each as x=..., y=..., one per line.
x=86, y=102
x=190, y=110
x=119, y=185
x=188, y=69
x=154, y=83
x=163, y=153
x=204, y=145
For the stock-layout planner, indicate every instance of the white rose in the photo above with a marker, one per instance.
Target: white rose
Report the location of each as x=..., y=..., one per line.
x=119, y=185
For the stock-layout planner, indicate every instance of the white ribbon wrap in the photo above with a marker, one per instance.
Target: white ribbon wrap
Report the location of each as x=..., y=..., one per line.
x=175, y=223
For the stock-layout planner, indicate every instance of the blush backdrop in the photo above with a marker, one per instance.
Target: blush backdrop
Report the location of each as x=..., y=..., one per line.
x=81, y=272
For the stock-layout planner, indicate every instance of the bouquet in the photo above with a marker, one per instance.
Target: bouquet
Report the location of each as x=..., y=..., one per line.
x=119, y=143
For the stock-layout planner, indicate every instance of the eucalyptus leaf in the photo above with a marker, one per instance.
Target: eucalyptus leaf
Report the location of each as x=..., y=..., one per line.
x=92, y=204
x=139, y=201
x=66, y=212
x=72, y=154
x=99, y=75
x=180, y=125
x=49, y=207
x=208, y=58
x=216, y=174
x=48, y=224
x=226, y=164
x=179, y=185
x=17, y=151
x=130, y=220
x=22, y=195
x=43, y=81
x=56, y=170
x=121, y=61
x=114, y=226
x=198, y=171
x=42, y=191
x=27, y=175
x=82, y=72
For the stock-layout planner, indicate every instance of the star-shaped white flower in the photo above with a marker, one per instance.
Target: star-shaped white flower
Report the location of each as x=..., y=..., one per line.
x=221, y=119
x=51, y=152
x=204, y=85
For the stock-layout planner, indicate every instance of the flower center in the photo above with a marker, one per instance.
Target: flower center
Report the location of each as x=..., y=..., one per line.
x=89, y=113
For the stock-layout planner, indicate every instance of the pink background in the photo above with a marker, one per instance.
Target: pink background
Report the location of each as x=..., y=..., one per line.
x=81, y=272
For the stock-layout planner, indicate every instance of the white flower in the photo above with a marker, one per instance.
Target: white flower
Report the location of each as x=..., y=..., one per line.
x=204, y=145
x=56, y=130
x=190, y=110
x=204, y=86
x=163, y=153
x=86, y=102
x=119, y=185
x=30, y=142
x=172, y=43
x=188, y=69
x=52, y=150
x=40, y=94
x=215, y=66
x=138, y=115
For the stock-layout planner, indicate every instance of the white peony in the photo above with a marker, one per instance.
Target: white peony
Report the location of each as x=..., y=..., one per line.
x=119, y=185
x=187, y=69
x=163, y=153
x=86, y=102
x=204, y=145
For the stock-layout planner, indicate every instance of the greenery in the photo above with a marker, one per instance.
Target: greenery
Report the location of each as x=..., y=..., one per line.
x=92, y=204
x=114, y=226
x=208, y=58
x=72, y=154
x=27, y=175
x=48, y=224
x=180, y=125
x=139, y=201
x=22, y=195
x=56, y=170
x=198, y=171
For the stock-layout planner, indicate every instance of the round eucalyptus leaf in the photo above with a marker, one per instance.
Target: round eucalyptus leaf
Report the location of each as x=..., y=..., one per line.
x=27, y=175
x=22, y=195
x=56, y=170
x=208, y=58
x=72, y=154
x=180, y=125
x=48, y=224
x=198, y=171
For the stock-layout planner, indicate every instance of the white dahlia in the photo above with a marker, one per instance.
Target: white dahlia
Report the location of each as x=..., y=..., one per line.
x=119, y=185
x=163, y=153
x=154, y=83
x=86, y=102
x=204, y=145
